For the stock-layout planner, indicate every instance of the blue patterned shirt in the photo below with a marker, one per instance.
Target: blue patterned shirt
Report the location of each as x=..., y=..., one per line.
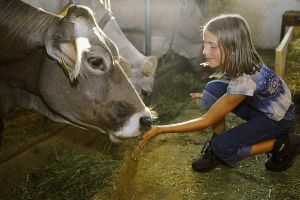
x=269, y=93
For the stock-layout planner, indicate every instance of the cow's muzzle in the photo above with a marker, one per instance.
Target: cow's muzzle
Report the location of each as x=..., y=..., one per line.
x=134, y=126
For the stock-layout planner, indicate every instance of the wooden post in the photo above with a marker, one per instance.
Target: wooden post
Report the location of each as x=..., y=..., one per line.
x=281, y=50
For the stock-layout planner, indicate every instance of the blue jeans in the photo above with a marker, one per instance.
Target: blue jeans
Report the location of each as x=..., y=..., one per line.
x=235, y=144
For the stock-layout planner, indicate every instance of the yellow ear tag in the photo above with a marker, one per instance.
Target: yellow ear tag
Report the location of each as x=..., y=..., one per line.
x=64, y=65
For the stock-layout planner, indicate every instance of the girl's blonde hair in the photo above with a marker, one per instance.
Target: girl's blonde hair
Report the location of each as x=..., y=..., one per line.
x=234, y=39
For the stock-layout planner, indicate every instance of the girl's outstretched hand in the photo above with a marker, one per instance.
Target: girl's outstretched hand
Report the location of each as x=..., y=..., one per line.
x=154, y=131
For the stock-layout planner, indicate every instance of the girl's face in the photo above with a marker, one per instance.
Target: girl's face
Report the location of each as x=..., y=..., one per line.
x=212, y=50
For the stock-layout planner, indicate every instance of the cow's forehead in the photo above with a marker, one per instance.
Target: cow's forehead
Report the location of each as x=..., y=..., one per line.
x=85, y=29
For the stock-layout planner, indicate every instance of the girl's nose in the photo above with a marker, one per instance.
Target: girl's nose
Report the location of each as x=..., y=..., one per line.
x=205, y=51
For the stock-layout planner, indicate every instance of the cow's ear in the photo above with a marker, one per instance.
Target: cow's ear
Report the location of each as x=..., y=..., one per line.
x=68, y=58
x=150, y=66
x=68, y=54
x=65, y=54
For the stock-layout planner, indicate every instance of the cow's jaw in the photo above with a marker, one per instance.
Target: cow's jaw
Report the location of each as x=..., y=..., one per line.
x=132, y=128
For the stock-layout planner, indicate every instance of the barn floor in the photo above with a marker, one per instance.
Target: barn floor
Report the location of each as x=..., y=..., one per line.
x=78, y=164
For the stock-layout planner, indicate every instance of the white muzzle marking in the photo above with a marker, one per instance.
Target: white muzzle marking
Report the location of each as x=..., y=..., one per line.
x=131, y=127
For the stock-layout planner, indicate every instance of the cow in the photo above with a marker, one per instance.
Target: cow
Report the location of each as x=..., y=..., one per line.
x=175, y=27
x=67, y=69
x=139, y=68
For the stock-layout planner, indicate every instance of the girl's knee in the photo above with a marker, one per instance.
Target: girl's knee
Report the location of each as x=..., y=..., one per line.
x=212, y=92
x=207, y=100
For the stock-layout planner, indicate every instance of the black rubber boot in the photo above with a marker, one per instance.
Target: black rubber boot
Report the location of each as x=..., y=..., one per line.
x=284, y=153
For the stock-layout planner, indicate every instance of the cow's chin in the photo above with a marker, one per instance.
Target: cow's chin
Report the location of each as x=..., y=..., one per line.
x=114, y=139
x=119, y=137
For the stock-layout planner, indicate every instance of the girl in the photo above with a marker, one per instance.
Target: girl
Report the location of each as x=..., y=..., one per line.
x=249, y=89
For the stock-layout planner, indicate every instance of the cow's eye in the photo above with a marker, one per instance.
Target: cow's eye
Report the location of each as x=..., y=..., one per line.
x=97, y=63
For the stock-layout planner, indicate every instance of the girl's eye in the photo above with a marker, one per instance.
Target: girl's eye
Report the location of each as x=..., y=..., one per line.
x=97, y=63
x=209, y=45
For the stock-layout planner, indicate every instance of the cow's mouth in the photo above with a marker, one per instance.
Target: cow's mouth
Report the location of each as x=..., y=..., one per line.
x=121, y=139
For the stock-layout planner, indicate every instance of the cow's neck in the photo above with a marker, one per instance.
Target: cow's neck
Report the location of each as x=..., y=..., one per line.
x=23, y=74
x=22, y=29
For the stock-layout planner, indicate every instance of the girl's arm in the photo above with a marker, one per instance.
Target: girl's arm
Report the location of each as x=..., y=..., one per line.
x=219, y=109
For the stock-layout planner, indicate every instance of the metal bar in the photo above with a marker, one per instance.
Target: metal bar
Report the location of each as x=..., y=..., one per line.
x=107, y=4
x=148, y=27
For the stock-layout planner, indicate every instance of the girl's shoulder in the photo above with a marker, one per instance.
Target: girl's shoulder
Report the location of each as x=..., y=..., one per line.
x=241, y=79
x=267, y=73
x=242, y=85
x=264, y=72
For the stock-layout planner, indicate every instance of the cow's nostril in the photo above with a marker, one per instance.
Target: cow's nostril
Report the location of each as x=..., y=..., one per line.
x=145, y=122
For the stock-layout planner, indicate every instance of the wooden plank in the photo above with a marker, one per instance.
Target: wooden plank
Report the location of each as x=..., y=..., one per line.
x=281, y=50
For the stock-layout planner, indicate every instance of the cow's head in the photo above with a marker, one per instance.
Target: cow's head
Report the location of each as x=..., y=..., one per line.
x=140, y=69
x=89, y=89
x=141, y=75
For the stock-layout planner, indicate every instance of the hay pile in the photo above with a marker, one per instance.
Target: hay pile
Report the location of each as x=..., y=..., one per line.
x=292, y=74
x=76, y=174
